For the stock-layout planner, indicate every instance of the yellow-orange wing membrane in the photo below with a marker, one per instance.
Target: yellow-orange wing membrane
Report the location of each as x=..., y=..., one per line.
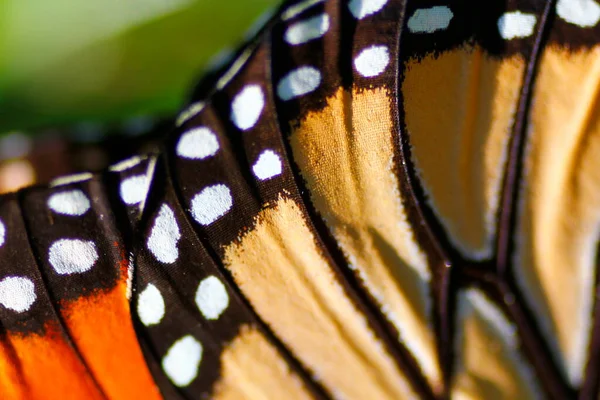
x=372, y=199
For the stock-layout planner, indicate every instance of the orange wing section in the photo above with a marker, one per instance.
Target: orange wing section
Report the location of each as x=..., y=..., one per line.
x=110, y=363
x=102, y=330
x=43, y=366
x=459, y=108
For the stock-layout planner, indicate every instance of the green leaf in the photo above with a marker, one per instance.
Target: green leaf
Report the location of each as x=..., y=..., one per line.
x=68, y=60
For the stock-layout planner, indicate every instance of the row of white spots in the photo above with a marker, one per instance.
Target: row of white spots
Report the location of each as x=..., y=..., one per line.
x=182, y=360
x=211, y=298
x=72, y=202
x=164, y=236
x=511, y=25
x=16, y=293
x=66, y=256
x=584, y=13
x=71, y=256
x=248, y=105
x=201, y=143
x=246, y=109
x=370, y=62
x=359, y=8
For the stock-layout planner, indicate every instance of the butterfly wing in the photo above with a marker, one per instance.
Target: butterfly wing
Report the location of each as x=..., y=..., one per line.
x=373, y=199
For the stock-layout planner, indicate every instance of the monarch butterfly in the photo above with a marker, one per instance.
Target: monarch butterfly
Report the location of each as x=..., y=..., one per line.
x=372, y=199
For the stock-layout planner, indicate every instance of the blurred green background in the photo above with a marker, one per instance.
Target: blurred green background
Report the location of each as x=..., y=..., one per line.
x=70, y=60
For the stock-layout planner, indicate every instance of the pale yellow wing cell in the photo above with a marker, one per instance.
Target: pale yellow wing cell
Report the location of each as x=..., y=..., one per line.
x=253, y=369
x=459, y=110
x=282, y=272
x=345, y=153
x=488, y=363
x=559, y=222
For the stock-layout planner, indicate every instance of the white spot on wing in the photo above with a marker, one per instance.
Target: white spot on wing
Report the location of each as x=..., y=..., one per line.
x=125, y=164
x=298, y=82
x=2, y=233
x=133, y=190
x=247, y=106
x=267, y=166
x=372, y=61
x=150, y=168
x=516, y=25
x=235, y=67
x=298, y=9
x=17, y=293
x=211, y=204
x=73, y=202
x=182, y=361
x=584, y=13
x=198, y=144
x=429, y=20
x=212, y=298
x=191, y=111
x=150, y=306
x=74, y=178
x=164, y=236
x=71, y=256
x=307, y=30
x=130, y=270
x=363, y=8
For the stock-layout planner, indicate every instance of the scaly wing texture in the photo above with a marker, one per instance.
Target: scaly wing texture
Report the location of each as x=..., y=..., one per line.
x=372, y=199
